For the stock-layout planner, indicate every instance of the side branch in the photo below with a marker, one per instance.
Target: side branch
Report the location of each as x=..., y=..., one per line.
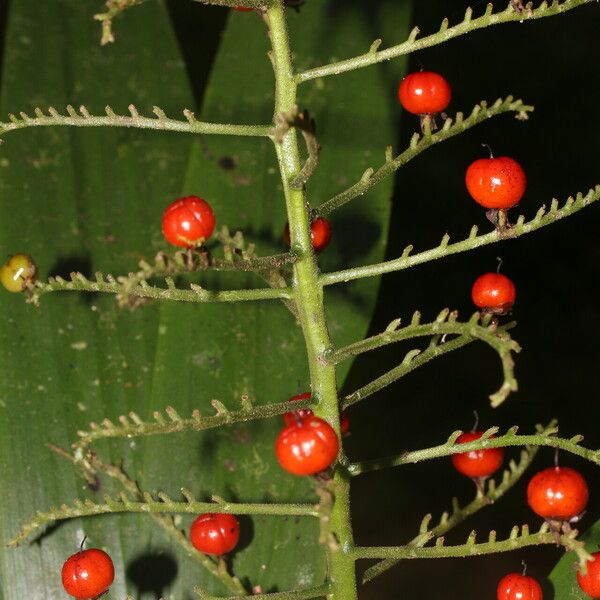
x=302, y=594
x=546, y=437
x=142, y=289
x=477, y=328
x=418, y=144
x=160, y=122
x=445, y=33
x=459, y=514
x=518, y=539
x=132, y=426
x=541, y=219
x=164, y=505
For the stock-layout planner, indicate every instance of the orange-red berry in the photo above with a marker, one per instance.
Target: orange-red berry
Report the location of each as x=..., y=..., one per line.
x=515, y=586
x=295, y=416
x=87, y=574
x=590, y=582
x=215, y=533
x=477, y=463
x=320, y=233
x=494, y=292
x=424, y=92
x=496, y=182
x=557, y=493
x=188, y=222
x=307, y=447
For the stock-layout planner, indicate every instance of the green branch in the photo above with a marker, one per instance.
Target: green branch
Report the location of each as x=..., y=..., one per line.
x=517, y=539
x=445, y=324
x=459, y=514
x=123, y=289
x=113, y=8
x=541, y=219
x=545, y=437
x=132, y=426
x=163, y=505
x=161, y=122
x=418, y=144
x=445, y=33
x=301, y=594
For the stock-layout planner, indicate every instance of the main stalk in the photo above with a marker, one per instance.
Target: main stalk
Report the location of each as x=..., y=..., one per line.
x=308, y=296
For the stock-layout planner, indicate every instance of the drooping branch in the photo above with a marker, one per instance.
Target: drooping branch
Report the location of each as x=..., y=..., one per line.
x=477, y=328
x=519, y=538
x=109, y=285
x=133, y=426
x=419, y=143
x=163, y=505
x=445, y=33
x=541, y=219
x=134, y=120
x=544, y=437
x=459, y=514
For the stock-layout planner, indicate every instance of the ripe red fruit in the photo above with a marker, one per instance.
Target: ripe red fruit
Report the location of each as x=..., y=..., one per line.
x=477, y=463
x=494, y=292
x=590, y=582
x=424, y=92
x=215, y=533
x=307, y=447
x=557, y=493
x=496, y=182
x=320, y=233
x=88, y=573
x=295, y=416
x=515, y=586
x=188, y=221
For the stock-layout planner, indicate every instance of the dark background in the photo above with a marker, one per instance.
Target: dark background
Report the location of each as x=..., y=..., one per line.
x=552, y=64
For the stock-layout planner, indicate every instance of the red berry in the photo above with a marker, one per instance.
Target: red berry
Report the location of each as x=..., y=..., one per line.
x=88, y=573
x=291, y=418
x=424, y=92
x=307, y=447
x=215, y=533
x=557, y=493
x=590, y=582
x=295, y=416
x=519, y=587
x=496, y=182
x=187, y=222
x=320, y=233
x=494, y=292
x=477, y=463
x=242, y=8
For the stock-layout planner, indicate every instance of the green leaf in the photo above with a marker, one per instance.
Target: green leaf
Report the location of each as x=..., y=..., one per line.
x=563, y=576
x=91, y=200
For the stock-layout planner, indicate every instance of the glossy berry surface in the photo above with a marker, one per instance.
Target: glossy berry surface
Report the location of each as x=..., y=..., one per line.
x=590, y=582
x=18, y=271
x=320, y=233
x=187, y=222
x=215, y=533
x=295, y=416
x=477, y=463
x=496, y=182
x=424, y=92
x=494, y=292
x=307, y=447
x=515, y=586
x=88, y=574
x=557, y=493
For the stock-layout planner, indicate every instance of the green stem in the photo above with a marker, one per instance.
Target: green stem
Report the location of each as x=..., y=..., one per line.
x=301, y=594
x=308, y=296
x=445, y=33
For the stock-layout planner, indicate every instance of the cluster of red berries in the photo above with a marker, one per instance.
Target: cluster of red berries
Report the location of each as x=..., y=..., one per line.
x=308, y=445
x=558, y=494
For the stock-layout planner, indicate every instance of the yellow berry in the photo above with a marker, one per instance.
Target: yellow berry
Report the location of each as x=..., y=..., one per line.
x=18, y=272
